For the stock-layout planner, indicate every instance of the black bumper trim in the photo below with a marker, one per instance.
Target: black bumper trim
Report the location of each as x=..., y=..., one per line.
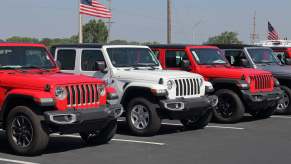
x=86, y=119
x=191, y=107
x=260, y=97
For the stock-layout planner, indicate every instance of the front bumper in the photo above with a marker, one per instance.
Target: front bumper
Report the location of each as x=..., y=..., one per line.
x=262, y=99
x=86, y=120
x=187, y=108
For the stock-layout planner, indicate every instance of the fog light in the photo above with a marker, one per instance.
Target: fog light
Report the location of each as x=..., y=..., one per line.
x=63, y=118
x=175, y=106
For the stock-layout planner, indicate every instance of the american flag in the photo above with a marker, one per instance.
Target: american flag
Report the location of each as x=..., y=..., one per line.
x=94, y=8
x=272, y=33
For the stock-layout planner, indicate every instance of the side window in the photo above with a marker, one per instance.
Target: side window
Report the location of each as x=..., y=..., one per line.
x=89, y=58
x=174, y=58
x=67, y=59
x=235, y=57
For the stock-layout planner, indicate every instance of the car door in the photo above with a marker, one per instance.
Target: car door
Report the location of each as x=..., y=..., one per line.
x=67, y=59
x=174, y=59
x=88, y=60
x=235, y=57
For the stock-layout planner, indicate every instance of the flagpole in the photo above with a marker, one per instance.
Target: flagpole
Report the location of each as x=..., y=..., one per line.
x=80, y=25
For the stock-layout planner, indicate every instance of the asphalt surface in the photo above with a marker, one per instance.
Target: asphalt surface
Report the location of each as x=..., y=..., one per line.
x=248, y=142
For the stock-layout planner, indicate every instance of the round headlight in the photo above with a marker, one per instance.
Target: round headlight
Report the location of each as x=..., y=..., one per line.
x=170, y=84
x=61, y=93
x=101, y=90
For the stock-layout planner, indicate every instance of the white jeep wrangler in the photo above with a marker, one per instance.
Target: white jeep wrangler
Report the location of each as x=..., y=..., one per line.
x=148, y=93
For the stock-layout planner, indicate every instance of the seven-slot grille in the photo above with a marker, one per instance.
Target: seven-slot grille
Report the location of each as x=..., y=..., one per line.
x=262, y=81
x=188, y=87
x=84, y=94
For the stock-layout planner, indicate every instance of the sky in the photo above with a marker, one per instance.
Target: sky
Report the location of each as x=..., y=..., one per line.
x=194, y=21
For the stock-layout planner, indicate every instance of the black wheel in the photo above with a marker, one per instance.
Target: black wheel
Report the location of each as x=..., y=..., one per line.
x=142, y=117
x=25, y=133
x=284, y=106
x=230, y=108
x=102, y=137
x=198, y=122
x=264, y=113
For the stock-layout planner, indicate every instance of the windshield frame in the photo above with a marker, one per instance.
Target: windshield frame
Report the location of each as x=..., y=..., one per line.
x=277, y=61
x=156, y=65
x=209, y=64
x=16, y=67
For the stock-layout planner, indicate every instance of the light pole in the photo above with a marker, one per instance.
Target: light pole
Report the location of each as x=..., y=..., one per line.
x=109, y=20
x=169, y=21
x=194, y=29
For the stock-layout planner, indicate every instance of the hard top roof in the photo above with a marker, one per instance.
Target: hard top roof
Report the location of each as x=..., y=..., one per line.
x=11, y=44
x=85, y=45
x=179, y=46
x=94, y=45
x=233, y=46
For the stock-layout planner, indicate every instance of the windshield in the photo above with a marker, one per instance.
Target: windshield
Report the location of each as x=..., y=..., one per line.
x=132, y=57
x=208, y=56
x=262, y=56
x=24, y=57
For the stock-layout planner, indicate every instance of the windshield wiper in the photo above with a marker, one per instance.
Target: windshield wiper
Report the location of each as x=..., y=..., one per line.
x=8, y=67
x=153, y=66
x=35, y=67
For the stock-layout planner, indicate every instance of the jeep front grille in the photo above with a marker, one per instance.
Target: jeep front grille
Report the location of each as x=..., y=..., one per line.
x=81, y=95
x=187, y=87
x=262, y=81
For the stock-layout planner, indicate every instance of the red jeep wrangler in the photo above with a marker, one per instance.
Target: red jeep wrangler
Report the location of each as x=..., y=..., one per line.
x=239, y=90
x=37, y=100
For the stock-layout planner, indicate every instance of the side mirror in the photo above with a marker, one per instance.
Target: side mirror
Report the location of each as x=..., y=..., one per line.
x=244, y=62
x=100, y=66
x=288, y=61
x=186, y=65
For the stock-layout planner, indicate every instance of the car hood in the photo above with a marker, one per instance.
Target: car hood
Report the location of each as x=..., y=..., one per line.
x=277, y=70
x=39, y=80
x=152, y=75
x=229, y=72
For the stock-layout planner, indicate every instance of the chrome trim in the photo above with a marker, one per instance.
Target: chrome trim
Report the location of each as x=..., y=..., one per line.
x=73, y=120
x=181, y=104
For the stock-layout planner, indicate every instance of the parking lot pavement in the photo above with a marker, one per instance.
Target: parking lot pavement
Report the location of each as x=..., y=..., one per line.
x=247, y=142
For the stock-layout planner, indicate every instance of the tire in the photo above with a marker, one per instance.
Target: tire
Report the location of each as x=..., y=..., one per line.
x=230, y=108
x=36, y=138
x=100, y=138
x=142, y=117
x=284, y=106
x=198, y=123
x=264, y=113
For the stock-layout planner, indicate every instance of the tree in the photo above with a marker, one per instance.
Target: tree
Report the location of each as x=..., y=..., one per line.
x=1, y=40
x=49, y=42
x=95, y=32
x=22, y=39
x=225, y=38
